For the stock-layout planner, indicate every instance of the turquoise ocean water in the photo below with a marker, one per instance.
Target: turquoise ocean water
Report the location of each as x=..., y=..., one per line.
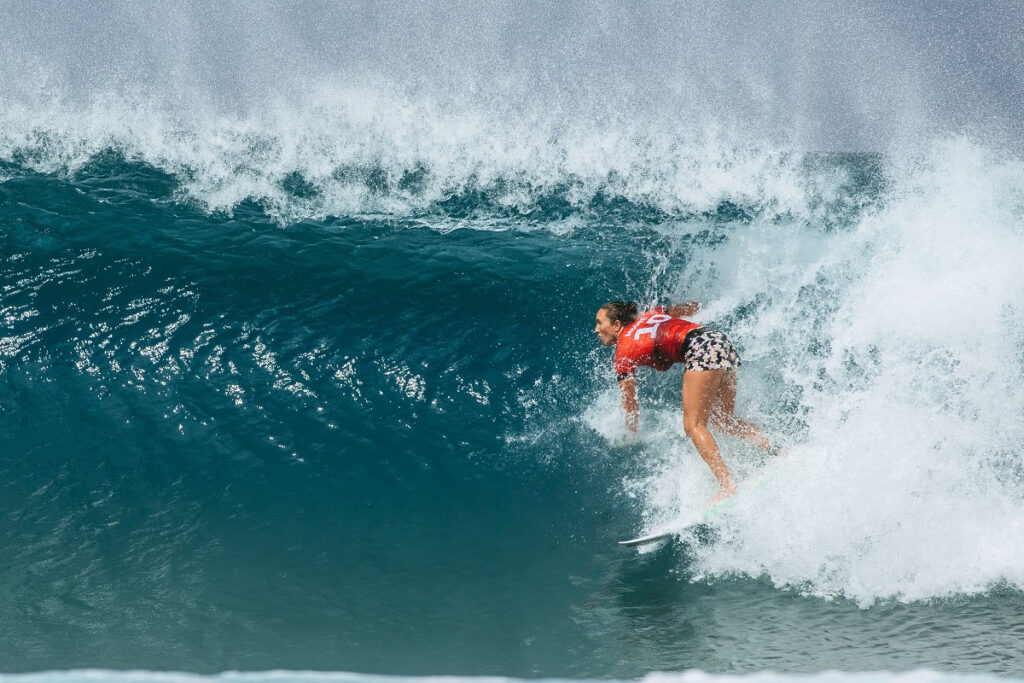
x=305, y=379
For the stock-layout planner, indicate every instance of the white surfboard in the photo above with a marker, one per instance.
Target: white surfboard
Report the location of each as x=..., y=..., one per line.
x=709, y=513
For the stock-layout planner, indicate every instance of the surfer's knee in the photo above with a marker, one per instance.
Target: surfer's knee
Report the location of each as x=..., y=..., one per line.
x=695, y=429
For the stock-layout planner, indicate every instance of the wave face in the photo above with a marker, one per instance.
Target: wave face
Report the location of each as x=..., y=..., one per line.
x=298, y=370
x=391, y=444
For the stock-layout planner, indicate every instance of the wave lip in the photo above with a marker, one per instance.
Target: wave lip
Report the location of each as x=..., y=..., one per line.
x=343, y=152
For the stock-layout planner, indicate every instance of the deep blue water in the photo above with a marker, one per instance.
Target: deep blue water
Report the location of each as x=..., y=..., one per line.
x=389, y=442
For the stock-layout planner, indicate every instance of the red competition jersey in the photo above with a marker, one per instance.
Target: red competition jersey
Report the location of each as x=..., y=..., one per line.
x=654, y=339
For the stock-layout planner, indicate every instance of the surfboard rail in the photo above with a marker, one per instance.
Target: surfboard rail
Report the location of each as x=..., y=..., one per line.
x=676, y=529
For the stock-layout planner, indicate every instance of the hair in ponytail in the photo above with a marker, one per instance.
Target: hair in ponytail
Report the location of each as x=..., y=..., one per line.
x=624, y=312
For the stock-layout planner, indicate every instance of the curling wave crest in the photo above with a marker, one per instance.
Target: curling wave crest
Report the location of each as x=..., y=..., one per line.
x=336, y=151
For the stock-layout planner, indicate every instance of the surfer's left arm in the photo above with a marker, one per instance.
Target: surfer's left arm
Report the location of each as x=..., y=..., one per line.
x=629, y=404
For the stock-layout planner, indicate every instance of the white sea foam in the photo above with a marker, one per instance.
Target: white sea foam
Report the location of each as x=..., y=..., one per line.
x=901, y=341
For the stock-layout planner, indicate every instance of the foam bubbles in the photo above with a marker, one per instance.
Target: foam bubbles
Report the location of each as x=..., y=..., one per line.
x=900, y=340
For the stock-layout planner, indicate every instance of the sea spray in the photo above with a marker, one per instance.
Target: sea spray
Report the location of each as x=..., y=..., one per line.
x=341, y=151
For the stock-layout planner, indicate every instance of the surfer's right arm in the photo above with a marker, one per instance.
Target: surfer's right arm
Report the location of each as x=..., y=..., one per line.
x=629, y=405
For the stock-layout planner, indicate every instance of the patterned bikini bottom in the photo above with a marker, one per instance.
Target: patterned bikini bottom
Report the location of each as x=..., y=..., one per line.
x=706, y=349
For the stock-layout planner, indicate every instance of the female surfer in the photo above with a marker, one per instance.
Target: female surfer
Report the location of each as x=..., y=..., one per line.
x=659, y=338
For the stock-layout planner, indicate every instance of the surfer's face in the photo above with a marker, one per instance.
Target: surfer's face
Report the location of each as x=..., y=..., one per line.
x=606, y=330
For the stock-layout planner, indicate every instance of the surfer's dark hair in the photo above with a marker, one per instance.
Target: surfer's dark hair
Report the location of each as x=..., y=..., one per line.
x=620, y=311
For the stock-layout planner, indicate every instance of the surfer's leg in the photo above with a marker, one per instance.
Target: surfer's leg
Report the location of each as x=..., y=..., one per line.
x=723, y=415
x=699, y=389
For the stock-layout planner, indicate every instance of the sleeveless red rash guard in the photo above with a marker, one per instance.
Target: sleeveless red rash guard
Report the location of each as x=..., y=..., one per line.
x=655, y=339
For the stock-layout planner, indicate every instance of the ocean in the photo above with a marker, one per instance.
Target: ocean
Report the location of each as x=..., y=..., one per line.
x=310, y=389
